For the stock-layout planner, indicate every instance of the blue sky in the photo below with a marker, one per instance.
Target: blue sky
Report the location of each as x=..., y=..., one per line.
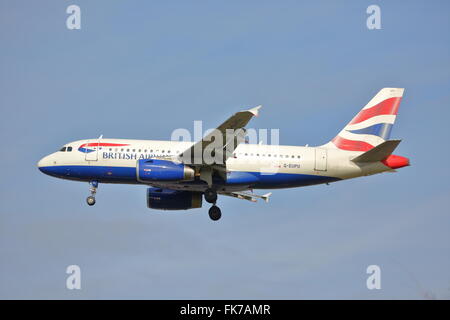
x=139, y=69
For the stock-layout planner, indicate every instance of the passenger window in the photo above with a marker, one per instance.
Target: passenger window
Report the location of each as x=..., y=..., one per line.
x=139, y=150
x=69, y=149
x=63, y=149
x=134, y=150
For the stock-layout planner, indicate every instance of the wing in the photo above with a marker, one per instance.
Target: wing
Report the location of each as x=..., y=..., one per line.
x=217, y=146
x=211, y=153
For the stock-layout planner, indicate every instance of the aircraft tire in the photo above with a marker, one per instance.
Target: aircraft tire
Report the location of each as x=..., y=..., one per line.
x=90, y=200
x=214, y=213
x=210, y=195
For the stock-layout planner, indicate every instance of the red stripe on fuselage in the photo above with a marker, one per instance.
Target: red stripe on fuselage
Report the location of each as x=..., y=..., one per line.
x=351, y=145
x=388, y=106
x=101, y=144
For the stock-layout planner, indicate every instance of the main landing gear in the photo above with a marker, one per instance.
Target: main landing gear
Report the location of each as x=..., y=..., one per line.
x=93, y=189
x=211, y=197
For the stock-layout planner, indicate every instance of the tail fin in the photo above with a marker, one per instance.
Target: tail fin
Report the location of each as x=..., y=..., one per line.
x=372, y=125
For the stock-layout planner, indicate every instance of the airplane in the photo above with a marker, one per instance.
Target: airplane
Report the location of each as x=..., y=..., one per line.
x=178, y=176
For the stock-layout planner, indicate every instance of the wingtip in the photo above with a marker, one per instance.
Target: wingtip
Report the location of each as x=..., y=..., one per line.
x=255, y=110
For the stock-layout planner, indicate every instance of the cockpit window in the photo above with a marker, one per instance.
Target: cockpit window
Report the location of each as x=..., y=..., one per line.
x=69, y=149
x=63, y=149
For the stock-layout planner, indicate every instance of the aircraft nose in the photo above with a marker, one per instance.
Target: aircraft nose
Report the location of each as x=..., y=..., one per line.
x=43, y=164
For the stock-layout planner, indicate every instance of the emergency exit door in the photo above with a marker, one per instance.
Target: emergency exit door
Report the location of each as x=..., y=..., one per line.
x=321, y=160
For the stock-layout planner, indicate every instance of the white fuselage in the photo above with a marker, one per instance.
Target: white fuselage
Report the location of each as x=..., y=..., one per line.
x=250, y=167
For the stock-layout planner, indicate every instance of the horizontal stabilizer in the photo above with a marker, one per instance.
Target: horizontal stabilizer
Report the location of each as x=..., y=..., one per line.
x=379, y=153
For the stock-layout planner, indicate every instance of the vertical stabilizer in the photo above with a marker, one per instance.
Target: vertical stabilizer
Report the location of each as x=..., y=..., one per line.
x=372, y=125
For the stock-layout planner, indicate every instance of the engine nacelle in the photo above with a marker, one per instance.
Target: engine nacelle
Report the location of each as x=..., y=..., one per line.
x=163, y=170
x=166, y=199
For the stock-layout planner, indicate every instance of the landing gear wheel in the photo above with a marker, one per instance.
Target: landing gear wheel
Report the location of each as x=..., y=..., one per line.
x=93, y=185
x=90, y=200
x=210, y=195
x=215, y=213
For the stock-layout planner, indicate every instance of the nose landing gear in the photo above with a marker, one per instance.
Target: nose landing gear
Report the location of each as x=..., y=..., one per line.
x=211, y=197
x=90, y=200
x=214, y=213
x=93, y=189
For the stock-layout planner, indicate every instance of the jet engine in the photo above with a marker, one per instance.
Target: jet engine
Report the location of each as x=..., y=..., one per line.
x=163, y=170
x=166, y=199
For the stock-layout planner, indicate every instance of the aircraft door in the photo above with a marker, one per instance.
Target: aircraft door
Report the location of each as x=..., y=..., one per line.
x=91, y=150
x=321, y=159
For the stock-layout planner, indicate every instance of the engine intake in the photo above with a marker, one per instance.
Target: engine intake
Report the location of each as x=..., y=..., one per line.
x=163, y=170
x=166, y=199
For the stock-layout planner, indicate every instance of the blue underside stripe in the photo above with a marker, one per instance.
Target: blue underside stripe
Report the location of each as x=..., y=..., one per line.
x=86, y=173
x=128, y=175
x=278, y=180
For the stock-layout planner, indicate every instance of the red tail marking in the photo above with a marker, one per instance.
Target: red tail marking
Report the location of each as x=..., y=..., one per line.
x=395, y=162
x=351, y=145
x=388, y=106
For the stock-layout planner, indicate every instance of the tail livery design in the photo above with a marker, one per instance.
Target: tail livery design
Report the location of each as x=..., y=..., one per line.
x=372, y=125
